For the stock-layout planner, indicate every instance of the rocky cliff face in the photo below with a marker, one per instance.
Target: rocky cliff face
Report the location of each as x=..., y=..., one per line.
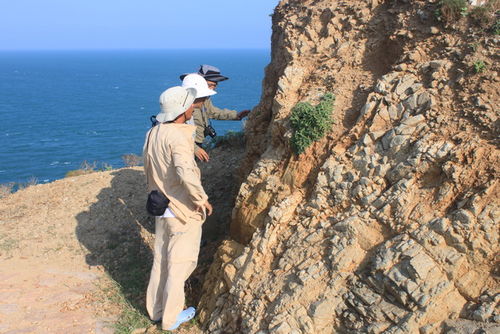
x=390, y=223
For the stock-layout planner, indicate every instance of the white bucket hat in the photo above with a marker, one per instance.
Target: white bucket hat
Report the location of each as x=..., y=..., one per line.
x=174, y=102
x=199, y=83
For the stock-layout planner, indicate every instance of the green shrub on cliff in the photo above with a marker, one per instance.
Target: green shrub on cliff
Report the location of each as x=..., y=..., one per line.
x=311, y=123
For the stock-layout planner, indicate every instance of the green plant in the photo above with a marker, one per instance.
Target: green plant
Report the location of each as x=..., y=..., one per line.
x=106, y=167
x=130, y=320
x=479, y=66
x=495, y=28
x=437, y=14
x=124, y=287
x=128, y=273
x=310, y=123
x=451, y=10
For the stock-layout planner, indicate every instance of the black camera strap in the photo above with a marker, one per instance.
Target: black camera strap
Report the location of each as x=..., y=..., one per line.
x=207, y=121
x=204, y=115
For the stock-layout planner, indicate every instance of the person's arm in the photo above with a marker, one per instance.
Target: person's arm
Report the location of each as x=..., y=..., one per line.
x=200, y=153
x=218, y=113
x=243, y=113
x=186, y=169
x=145, y=156
x=145, y=148
x=199, y=122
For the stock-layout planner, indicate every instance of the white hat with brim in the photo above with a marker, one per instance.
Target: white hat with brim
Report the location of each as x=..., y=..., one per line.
x=199, y=83
x=174, y=102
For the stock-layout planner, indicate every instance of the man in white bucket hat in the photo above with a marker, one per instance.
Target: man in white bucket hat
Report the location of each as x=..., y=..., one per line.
x=170, y=169
x=203, y=114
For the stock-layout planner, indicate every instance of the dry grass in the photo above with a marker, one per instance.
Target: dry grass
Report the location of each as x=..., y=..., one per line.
x=7, y=244
x=85, y=168
x=453, y=10
x=6, y=189
x=132, y=160
x=486, y=16
x=32, y=181
x=11, y=187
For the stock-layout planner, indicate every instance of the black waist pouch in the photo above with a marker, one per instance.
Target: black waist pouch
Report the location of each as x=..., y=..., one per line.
x=157, y=203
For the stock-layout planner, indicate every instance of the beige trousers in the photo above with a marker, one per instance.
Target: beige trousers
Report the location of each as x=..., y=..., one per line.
x=176, y=250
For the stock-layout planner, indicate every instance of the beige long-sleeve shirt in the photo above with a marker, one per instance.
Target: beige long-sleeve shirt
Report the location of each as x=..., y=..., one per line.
x=170, y=168
x=208, y=110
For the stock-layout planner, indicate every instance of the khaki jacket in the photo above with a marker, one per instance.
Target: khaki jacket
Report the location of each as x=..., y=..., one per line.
x=208, y=110
x=170, y=168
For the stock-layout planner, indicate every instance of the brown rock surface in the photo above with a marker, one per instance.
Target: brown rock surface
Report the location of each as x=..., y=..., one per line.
x=390, y=223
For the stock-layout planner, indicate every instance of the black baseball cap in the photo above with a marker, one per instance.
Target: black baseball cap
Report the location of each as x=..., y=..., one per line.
x=210, y=73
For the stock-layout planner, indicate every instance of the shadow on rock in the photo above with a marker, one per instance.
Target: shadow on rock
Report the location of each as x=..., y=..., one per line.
x=116, y=231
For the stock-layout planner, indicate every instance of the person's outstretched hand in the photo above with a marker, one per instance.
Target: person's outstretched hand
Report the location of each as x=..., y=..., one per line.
x=201, y=154
x=243, y=113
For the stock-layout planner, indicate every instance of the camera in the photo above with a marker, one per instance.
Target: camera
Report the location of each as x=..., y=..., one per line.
x=209, y=131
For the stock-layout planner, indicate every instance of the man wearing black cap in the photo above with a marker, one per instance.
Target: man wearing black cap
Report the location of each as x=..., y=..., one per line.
x=201, y=116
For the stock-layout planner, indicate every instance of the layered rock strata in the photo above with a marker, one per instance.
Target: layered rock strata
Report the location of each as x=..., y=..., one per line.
x=390, y=223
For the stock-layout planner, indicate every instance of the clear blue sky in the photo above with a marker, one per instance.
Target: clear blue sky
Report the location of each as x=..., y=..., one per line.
x=134, y=24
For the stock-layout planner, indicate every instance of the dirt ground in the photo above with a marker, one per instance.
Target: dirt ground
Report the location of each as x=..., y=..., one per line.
x=64, y=243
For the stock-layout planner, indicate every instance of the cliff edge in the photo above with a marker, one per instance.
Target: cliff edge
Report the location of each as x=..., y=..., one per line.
x=76, y=253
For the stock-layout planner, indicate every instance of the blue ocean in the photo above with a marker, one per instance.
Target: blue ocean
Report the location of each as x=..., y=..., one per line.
x=61, y=108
